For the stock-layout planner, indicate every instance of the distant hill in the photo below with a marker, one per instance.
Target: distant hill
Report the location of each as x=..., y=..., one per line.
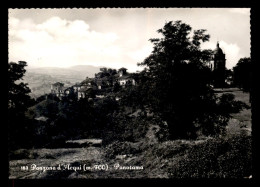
x=40, y=79
x=71, y=73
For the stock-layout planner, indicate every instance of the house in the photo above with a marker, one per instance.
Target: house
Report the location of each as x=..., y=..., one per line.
x=85, y=88
x=82, y=93
x=102, y=82
x=76, y=87
x=67, y=91
x=57, y=89
x=122, y=71
x=80, y=89
x=125, y=77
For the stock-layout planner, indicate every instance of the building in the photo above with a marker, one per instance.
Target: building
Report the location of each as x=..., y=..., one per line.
x=122, y=71
x=85, y=88
x=125, y=77
x=76, y=87
x=219, y=68
x=102, y=82
x=81, y=90
x=82, y=93
x=58, y=89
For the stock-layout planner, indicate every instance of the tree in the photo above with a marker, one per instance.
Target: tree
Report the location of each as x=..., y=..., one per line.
x=116, y=87
x=18, y=98
x=229, y=77
x=243, y=74
x=179, y=80
x=19, y=128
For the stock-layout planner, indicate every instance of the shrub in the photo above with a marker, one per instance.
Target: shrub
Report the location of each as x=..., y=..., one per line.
x=121, y=148
x=216, y=158
x=125, y=128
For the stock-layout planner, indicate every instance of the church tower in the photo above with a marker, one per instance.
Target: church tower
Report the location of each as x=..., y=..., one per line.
x=219, y=67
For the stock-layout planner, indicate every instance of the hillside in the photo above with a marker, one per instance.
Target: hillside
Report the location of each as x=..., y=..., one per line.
x=40, y=79
x=228, y=156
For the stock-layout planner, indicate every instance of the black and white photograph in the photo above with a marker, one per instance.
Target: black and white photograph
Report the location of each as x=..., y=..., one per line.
x=129, y=93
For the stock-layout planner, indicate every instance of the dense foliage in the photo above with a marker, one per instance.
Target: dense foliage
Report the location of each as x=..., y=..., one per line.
x=243, y=74
x=177, y=83
x=19, y=127
x=217, y=158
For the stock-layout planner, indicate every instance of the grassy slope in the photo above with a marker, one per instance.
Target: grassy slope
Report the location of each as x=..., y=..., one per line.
x=223, y=157
x=226, y=157
x=240, y=122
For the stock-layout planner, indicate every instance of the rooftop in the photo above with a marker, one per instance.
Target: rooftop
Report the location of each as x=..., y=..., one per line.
x=125, y=77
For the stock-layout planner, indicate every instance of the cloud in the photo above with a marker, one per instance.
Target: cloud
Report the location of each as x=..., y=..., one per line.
x=141, y=54
x=244, y=11
x=115, y=40
x=61, y=43
x=232, y=52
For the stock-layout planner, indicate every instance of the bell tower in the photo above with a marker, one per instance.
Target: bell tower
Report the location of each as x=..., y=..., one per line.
x=219, y=67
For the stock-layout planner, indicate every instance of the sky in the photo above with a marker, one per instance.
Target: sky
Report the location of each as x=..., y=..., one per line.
x=116, y=37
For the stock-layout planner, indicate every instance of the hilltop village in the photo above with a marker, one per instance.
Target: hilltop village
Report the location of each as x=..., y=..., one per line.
x=107, y=80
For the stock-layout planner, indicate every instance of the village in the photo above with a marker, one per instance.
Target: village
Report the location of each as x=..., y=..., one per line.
x=104, y=80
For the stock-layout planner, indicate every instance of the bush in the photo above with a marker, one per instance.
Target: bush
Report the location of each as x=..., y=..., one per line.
x=22, y=154
x=121, y=148
x=19, y=154
x=125, y=128
x=164, y=152
x=217, y=158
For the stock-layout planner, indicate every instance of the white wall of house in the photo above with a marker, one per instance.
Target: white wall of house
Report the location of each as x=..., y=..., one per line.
x=100, y=96
x=81, y=95
x=122, y=82
x=133, y=82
